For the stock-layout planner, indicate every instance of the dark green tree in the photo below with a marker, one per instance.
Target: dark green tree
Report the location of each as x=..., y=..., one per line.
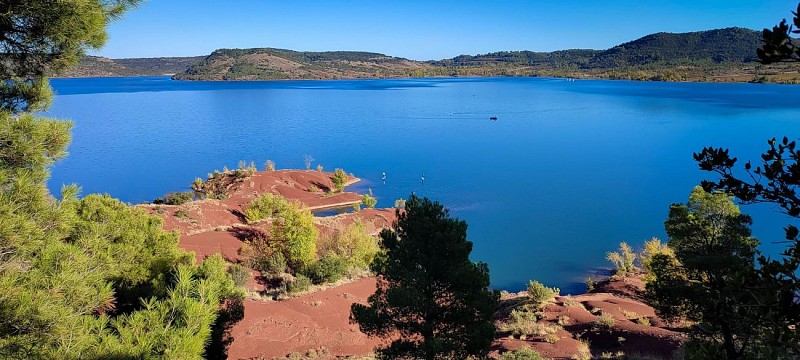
x=431, y=299
x=705, y=280
x=775, y=180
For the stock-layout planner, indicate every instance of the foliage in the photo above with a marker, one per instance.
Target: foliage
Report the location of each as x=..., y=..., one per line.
x=83, y=278
x=524, y=322
x=707, y=278
x=540, y=295
x=43, y=38
x=351, y=243
x=263, y=255
x=269, y=165
x=652, y=248
x=368, y=200
x=339, y=179
x=175, y=198
x=294, y=234
x=329, y=268
x=319, y=168
x=300, y=284
x=265, y=206
x=428, y=292
x=523, y=353
x=604, y=322
x=239, y=274
x=623, y=260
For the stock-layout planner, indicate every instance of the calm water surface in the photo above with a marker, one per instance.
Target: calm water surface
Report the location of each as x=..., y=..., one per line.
x=567, y=171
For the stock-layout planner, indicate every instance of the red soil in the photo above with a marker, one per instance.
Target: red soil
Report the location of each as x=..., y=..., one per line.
x=320, y=320
x=659, y=339
x=310, y=322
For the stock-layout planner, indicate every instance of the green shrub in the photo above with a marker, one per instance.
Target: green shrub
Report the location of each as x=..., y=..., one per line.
x=352, y=243
x=339, y=179
x=240, y=274
x=368, y=200
x=329, y=268
x=551, y=338
x=269, y=165
x=540, y=294
x=652, y=248
x=623, y=260
x=266, y=206
x=175, y=198
x=524, y=353
x=604, y=322
x=294, y=231
x=182, y=214
x=299, y=284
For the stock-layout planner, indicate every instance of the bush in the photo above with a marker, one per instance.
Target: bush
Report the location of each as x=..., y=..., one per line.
x=329, y=268
x=239, y=274
x=175, y=198
x=622, y=260
x=604, y=322
x=551, y=338
x=261, y=255
x=299, y=284
x=182, y=214
x=368, y=200
x=540, y=294
x=339, y=179
x=652, y=248
x=522, y=322
x=524, y=353
x=352, y=243
x=265, y=206
x=319, y=168
x=269, y=165
x=294, y=231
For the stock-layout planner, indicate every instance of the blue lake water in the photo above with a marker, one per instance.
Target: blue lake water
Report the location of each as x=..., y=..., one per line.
x=566, y=172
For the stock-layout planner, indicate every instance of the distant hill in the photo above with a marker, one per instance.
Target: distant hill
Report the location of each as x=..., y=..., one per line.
x=714, y=55
x=94, y=66
x=269, y=64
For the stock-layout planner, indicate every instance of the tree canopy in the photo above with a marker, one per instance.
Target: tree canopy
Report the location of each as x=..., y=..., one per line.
x=41, y=38
x=89, y=278
x=705, y=280
x=432, y=301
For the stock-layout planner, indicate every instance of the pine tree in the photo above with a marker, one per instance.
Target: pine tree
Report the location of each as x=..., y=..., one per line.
x=431, y=299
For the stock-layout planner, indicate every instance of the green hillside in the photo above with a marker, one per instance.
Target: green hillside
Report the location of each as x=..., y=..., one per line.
x=269, y=64
x=714, y=55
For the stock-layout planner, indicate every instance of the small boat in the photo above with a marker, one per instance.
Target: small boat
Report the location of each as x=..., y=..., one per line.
x=493, y=118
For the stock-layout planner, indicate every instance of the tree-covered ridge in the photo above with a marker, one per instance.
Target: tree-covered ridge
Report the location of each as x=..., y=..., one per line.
x=269, y=63
x=714, y=55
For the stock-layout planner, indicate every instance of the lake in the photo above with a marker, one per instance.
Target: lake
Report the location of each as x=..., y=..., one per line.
x=567, y=171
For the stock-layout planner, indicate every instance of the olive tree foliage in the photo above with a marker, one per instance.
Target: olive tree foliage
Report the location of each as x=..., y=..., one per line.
x=431, y=300
x=775, y=179
x=41, y=38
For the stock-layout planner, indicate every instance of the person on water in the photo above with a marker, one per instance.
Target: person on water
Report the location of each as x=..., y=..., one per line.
x=423, y=179
x=383, y=177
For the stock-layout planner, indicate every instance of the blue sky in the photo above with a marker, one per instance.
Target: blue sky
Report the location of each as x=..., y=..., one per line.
x=417, y=29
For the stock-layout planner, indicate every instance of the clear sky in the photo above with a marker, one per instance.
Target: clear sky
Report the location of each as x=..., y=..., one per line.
x=419, y=29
